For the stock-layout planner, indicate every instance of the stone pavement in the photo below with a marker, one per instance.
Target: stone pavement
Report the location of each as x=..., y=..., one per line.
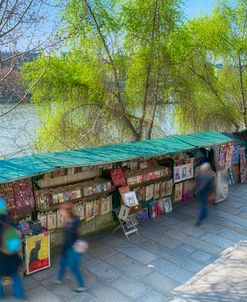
x=171, y=260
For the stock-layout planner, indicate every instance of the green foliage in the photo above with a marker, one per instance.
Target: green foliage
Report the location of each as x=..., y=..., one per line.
x=211, y=53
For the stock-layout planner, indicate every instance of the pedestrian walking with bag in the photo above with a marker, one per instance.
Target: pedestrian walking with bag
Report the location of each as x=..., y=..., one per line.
x=73, y=249
x=10, y=260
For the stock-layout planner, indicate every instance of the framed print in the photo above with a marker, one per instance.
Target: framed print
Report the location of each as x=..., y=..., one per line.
x=157, y=190
x=177, y=174
x=106, y=205
x=178, y=192
x=161, y=206
x=60, y=219
x=183, y=172
x=167, y=204
x=124, y=212
x=97, y=207
x=42, y=217
x=87, y=191
x=37, y=252
x=149, y=192
x=133, y=165
x=23, y=193
x=51, y=220
x=89, y=210
x=57, y=198
x=143, y=164
x=117, y=176
x=130, y=199
x=153, y=209
x=190, y=168
x=163, y=189
x=169, y=187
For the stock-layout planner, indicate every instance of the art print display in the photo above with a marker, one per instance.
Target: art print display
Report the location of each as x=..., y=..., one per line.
x=80, y=209
x=133, y=165
x=106, y=205
x=7, y=193
x=161, y=206
x=168, y=204
x=43, y=199
x=143, y=215
x=149, y=192
x=124, y=212
x=23, y=193
x=72, y=195
x=177, y=173
x=169, y=187
x=153, y=209
x=140, y=193
x=51, y=220
x=156, y=190
x=163, y=189
x=130, y=199
x=89, y=210
x=97, y=207
x=143, y=164
x=57, y=198
x=37, y=253
x=42, y=217
x=60, y=218
x=178, y=192
x=190, y=168
x=117, y=176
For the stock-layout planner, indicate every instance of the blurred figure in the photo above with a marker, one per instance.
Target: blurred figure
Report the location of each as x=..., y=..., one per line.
x=204, y=189
x=71, y=255
x=10, y=246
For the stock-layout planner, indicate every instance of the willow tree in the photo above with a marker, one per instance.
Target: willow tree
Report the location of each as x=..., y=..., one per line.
x=115, y=78
x=211, y=53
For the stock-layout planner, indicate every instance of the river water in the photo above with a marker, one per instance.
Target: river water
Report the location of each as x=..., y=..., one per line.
x=18, y=128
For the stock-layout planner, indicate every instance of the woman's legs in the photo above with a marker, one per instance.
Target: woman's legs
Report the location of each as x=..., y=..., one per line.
x=62, y=268
x=17, y=286
x=78, y=275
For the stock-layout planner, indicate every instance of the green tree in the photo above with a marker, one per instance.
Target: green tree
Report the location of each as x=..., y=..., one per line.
x=211, y=57
x=116, y=77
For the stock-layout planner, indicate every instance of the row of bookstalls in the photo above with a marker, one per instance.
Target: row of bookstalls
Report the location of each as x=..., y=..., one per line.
x=129, y=183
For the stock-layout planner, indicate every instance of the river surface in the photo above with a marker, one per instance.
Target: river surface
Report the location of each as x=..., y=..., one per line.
x=18, y=129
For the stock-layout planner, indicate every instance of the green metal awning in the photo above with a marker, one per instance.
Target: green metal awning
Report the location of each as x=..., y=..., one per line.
x=36, y=164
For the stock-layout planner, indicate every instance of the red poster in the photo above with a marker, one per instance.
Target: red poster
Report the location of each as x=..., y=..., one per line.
x=23, y=193
x=117, y=176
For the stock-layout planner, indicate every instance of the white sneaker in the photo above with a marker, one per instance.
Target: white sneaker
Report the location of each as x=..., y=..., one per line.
x=80, y=289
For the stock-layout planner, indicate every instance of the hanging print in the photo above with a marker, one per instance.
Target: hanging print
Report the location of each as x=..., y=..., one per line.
x=37, y=251
x=168, y=204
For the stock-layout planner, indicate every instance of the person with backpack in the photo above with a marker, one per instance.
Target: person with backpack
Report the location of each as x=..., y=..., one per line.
x=10, y=260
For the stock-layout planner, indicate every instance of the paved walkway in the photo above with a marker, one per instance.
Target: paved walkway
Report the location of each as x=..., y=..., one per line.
x=171, y=260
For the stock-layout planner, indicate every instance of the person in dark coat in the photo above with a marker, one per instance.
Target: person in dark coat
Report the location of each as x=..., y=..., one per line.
x=69, y=257
x=204, y=186
x=9, y=263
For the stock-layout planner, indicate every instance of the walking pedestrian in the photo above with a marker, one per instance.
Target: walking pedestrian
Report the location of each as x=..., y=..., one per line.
x=10, y=260
x=71, y=257
x=204, y=187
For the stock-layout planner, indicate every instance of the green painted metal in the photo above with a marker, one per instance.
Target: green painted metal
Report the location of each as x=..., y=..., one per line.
x=36, y=164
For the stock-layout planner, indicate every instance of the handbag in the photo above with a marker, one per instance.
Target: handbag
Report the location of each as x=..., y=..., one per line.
x=80, y=246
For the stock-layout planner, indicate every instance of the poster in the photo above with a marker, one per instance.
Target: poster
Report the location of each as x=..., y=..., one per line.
x=169, y=187
x=130, y=199
x=168, y=204
x=149, y=192
x=177, y=174
x=23, y=193
x=97, y=207
x=157, y=190
x=117, y=176
x=89, y=210
x=124, y=212
x=37, y=251
x=163, y=189
x=161, y=206
x=178, y=191
x=190, y=168
x=106, y=205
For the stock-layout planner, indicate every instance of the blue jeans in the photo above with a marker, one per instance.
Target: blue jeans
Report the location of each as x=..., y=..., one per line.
x=17, y=286
x=203, y=207
x=72, y=260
